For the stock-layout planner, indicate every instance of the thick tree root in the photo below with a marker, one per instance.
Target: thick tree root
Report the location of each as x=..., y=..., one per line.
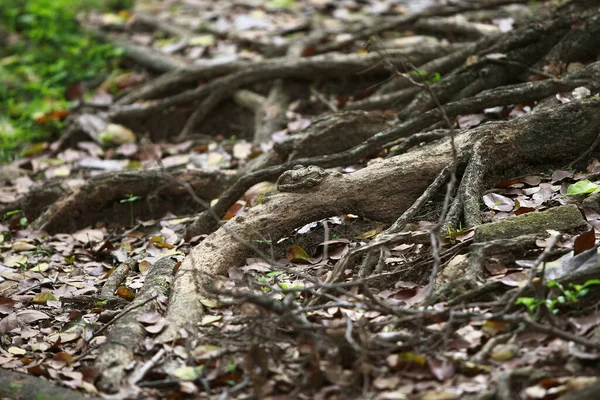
x=330, y=65
x=381, y=191
x=91, y=202
x=507, y=95
x=128, y=334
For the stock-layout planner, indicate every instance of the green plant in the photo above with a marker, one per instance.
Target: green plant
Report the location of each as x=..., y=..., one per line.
x=428, y=78
x=51, y=53
x=231, y=367
x=22, y=266
x=452, y=234
x=569, y=297
x=130, y=199
x=573, y=295
x=101, y=303
x=10, y=214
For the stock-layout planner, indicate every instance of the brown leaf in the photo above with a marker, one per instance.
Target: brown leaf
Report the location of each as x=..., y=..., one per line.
x=125, y=293
x=6, y=305
x=63, y=356
x=29, y=316
x=585, y=241
x=235, y=209
x=53, y=116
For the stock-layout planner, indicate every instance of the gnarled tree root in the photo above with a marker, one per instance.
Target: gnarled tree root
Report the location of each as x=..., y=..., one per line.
x=89, y=203
x=128, y=334
x=381, y=191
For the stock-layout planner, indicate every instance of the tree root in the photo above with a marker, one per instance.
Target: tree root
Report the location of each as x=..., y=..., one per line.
x=408, y=20
x=88, y=204
x=371, y=192
x=336, y=65
x=128, y=334
x=524, y=92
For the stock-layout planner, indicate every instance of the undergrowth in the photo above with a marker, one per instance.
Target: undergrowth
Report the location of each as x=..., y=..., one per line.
x=44, y=52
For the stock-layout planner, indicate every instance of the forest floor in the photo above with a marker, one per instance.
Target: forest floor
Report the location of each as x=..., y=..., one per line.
x=403, y=203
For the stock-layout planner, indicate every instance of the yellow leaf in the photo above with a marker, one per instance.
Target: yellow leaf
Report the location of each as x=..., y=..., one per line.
x=43, y=297
x=209, y=303
x=297, y=253
x=368, y=234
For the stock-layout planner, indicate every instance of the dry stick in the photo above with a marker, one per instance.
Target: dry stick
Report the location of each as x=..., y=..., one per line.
x=332, y=107
x=149, y=58
x=237, y=388
x=554, y=238
x=551, y=330
x=141, y=372
x=42, y=283
x=501, y=96
x=482, y=355
x=401, y=147
x=431, y=190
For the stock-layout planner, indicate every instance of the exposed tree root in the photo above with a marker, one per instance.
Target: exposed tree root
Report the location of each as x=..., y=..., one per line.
x=118, y=275
x=90, y=203
x=269, y=112
x=541, y=137
x=127, y=334
x=506, y=95
x=471, y=30
x=474, y=76
x=323, y=137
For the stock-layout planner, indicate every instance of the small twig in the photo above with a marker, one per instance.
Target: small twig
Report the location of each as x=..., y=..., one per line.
x=519, y=64
x=141, y=372
x=348, y=335
x=324, y=100
x=551, y=330
x=42, y=283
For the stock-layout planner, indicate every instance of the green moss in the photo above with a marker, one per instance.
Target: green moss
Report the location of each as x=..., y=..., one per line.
x=564, y=218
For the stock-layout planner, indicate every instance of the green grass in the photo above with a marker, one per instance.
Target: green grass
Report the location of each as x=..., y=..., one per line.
x=46, y=54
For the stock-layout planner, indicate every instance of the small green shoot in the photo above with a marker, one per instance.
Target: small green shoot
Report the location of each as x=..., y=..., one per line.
x=130, y=199
x=9, y=214
x=231, y=367
x=570, y=297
